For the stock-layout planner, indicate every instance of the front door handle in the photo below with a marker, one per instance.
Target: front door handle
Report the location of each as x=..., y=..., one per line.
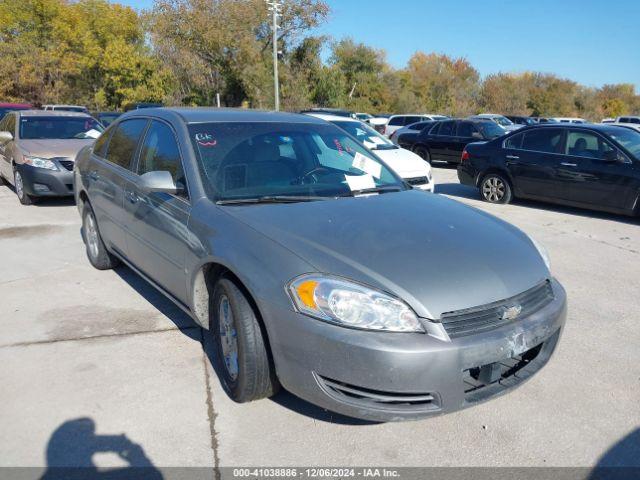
x=132, y=197
x=565, y=164
x=513, y=157
x=94, y=175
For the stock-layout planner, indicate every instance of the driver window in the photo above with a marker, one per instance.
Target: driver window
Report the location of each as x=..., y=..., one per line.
x=586, y=144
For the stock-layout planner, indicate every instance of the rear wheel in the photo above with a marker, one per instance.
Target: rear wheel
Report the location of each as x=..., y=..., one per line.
x=241, y=348
x=423, y=152
x=97, y=253
x=495, y=188
x=25, y=199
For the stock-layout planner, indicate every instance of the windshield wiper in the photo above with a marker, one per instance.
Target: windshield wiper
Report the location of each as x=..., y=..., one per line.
x=270, y=199
x=364, y=191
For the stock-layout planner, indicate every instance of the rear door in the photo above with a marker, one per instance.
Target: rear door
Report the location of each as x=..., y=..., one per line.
x=157, y=222
x=443, y=141
x=109, y=174
x=533, y=158
x=463, y=136
x=593, y=180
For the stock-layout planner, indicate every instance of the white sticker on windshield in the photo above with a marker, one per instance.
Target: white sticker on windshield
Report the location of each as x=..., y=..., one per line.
x=367, y=165
x=92, y=133
x=360, y=182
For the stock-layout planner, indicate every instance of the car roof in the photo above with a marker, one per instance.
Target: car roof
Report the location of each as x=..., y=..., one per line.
x=332, y=118
x=600, y=127
x=51, y=113
x=213, y=114
x=63, y=105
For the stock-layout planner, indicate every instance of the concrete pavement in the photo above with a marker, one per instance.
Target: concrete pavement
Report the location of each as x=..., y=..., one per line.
x=101, y=358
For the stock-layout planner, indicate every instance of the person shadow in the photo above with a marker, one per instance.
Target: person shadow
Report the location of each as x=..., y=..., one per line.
x=621, y=461
x=72, y=446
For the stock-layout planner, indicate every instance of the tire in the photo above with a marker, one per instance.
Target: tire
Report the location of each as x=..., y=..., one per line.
x=423, y=152
x=18, y=182
x=496, y=188
x=97, y=253
x=241, y=352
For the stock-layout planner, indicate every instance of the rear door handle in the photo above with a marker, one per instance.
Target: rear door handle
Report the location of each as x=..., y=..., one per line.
x=513, y=157
x=565, y=164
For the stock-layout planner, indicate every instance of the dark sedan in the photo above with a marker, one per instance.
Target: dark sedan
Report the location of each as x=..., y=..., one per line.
x=446, y=140
x=589, y=166
x=407, y=136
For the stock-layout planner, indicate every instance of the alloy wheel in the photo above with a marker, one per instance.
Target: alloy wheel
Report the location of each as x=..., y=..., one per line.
x=493, y=189
x=91, y=233
x=228, y=337
x=19, y=185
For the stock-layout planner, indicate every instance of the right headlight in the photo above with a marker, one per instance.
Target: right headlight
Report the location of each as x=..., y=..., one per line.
x=40, y=163
x=350, y=304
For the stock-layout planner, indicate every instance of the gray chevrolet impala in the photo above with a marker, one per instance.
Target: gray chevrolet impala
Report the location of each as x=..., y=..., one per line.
x=314, y=267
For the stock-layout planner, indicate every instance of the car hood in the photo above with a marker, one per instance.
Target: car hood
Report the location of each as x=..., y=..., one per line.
x=435, y=253
x=54, y=148
x=405, y=163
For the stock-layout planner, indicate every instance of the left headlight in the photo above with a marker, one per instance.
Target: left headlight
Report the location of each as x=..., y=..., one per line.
x=543, y=251
x=350, y=304
x=40, y=163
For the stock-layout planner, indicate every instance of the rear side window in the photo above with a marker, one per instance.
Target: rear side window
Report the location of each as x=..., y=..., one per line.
x=124, y=142
x=396, y=121
x=447, y=128
x=160, y=152
x=411, y=120
x=545, y=140
x=435, y=129
x=465, y=129
x=514, y=141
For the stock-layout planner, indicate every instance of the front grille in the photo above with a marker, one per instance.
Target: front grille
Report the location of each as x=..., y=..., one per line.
x=68, y=164
x=488, y=317
x=365, y=397
x=417, y=180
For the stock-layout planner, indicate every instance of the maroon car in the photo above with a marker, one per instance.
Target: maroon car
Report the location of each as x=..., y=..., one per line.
x=10, y=107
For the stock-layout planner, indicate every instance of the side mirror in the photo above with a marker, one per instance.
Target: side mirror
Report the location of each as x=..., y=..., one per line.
x=615, y=156
x=158, y=181
x=5, y=137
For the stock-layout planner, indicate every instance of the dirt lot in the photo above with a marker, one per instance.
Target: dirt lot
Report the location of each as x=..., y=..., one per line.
x=93, y=362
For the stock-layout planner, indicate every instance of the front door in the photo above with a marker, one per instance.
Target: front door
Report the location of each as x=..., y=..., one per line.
x=591, y=178
x=157, y=222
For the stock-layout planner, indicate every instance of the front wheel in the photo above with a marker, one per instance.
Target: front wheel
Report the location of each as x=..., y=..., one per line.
x=495, y=188
x=25, y=199
x=241, y=348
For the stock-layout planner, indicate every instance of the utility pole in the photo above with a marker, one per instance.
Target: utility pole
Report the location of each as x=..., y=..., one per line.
x=274, y=8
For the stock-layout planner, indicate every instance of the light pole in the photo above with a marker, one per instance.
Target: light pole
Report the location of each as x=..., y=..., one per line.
x=274, y=8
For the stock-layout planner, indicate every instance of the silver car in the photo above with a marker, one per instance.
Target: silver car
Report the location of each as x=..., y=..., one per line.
x=37, y=150
x=314, y=266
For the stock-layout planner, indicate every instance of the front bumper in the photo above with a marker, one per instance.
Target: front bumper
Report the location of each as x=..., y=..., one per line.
x=40, y=182
x=393, y=376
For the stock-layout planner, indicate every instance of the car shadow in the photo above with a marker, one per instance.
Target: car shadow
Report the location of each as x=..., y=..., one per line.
x=72, y=448
x=471, y=193
x=182, y=320
x=621, y=461
x=47, y=201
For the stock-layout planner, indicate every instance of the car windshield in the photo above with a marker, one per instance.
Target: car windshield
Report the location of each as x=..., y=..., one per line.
x=366, y=135
x=108, y=118
x=504, y=121
x=491, y=130
x=628, y=138
x=302, y=161
x=49, y=128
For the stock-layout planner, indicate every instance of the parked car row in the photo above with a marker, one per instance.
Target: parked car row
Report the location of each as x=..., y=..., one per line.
x=594, y=166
